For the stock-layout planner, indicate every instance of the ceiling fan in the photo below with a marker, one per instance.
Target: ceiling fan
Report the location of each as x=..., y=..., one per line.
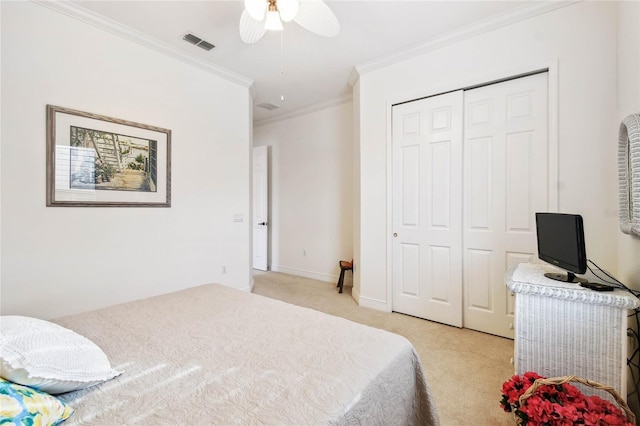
x=259, y=16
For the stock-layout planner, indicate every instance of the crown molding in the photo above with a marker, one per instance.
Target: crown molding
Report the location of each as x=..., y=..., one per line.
x=305, y=110
x=487, y=25
x=253, y=91
x=74, y=11
x=353, y=76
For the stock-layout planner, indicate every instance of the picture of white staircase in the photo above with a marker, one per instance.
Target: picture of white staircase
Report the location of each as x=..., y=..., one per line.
x=110, y=161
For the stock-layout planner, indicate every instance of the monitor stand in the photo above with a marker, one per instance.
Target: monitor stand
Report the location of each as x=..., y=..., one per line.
x=568, y=277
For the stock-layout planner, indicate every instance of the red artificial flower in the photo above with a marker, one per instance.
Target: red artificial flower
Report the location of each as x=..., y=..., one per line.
x=614, y=420
x=595, y=403
x=557, y=405
x=569, y=412
x=591, y=419
x=531, y=377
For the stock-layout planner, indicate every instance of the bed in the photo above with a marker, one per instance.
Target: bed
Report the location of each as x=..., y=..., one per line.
x=215, y=355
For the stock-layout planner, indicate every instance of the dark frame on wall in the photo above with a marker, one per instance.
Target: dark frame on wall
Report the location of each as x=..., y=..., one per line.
x=99, y=161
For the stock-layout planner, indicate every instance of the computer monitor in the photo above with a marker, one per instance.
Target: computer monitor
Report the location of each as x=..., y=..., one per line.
x=561, y=243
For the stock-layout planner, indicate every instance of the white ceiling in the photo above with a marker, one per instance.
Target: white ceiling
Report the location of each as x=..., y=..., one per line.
x=316, y=69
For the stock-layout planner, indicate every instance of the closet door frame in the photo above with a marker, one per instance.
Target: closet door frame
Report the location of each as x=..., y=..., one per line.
x=551, y=67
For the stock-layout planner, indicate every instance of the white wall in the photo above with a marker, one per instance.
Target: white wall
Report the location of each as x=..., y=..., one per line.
x=58, y=261
x=582, y=39
x=628, y=103
x=310, y=191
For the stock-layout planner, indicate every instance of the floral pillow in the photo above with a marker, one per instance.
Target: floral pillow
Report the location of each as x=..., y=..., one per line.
x=21, y=405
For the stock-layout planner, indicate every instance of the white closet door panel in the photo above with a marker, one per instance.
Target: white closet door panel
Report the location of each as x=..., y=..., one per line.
x=479, y=265
x=440, y=272
x=427, y=216
x=480, y=188
x=513, y=258
x=505, y=163
x=411, y=185
x=519, y=147
x=439, y=193
x=410, y=269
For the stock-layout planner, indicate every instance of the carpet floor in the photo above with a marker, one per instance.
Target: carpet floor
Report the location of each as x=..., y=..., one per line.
x=465, y=368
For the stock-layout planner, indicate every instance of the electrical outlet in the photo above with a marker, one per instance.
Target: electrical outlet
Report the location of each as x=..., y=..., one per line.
x=223, y=270
x=304, y=252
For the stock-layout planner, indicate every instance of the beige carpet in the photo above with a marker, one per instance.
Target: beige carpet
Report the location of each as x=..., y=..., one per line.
x=465, y=368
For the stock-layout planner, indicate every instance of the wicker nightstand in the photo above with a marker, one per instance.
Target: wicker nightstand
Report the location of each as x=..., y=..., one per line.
x=563, y=329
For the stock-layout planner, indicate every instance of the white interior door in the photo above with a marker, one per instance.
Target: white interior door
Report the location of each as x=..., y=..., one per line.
x=260, y=207
x=505, y=183
x=427, y=203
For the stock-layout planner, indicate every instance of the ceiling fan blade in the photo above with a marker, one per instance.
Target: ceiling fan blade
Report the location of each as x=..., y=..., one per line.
x=288, y=9
x=250, y=29
x=256, y=8
x=315, y=16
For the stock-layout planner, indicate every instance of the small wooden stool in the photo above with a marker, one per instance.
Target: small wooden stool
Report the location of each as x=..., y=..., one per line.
x=344, y=266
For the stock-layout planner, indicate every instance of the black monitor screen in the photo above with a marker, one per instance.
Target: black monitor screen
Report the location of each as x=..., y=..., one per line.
x=561, y=243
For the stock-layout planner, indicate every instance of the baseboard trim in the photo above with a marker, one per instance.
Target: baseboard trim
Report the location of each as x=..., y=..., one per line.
x=367, y=302
x=355, y=294
x=304, y=273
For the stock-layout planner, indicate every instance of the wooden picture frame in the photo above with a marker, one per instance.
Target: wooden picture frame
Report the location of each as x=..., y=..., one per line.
x=99, y=161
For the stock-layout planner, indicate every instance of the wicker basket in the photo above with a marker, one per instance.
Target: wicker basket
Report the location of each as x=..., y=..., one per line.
x=566, y=379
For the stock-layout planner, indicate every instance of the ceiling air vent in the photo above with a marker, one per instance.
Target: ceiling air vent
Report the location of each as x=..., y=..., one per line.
x=198, y=41
x=205, y=45
x=268, y=106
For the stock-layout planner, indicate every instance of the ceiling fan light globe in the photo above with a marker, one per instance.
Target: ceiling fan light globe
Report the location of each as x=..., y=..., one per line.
x=272, y=22
x=288, y=9
x=256, y=8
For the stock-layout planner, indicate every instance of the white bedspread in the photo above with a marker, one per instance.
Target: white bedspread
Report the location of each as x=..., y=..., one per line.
x=213, y=355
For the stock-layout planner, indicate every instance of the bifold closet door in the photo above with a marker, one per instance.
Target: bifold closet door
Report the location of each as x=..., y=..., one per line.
x=427, y=208
x=505, y=183
x=469, y=171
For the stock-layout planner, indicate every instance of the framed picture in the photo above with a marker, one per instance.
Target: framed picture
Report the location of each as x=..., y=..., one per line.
x=98, y=161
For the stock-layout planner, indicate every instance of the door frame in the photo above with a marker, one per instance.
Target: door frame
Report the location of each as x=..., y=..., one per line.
x=551, y=67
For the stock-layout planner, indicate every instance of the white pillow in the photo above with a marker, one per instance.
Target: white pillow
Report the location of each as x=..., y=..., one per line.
x=49, y=357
